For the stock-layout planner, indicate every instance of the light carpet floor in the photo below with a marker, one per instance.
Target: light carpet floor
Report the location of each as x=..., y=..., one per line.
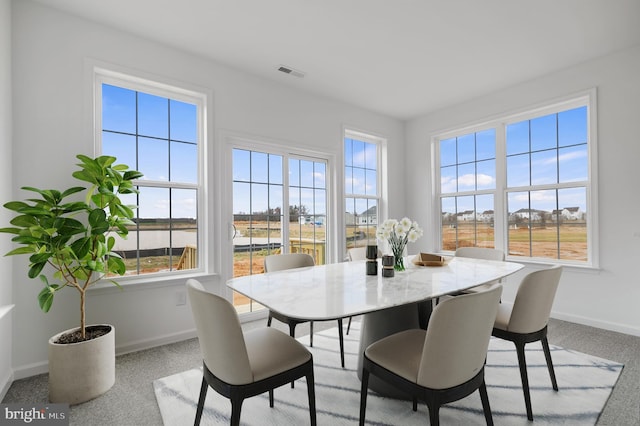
x=585, y=383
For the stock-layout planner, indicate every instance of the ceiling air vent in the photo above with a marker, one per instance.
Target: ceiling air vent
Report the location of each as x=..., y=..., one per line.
x=288, y=70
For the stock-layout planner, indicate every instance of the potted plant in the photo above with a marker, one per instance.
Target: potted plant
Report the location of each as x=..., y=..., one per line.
x=73, y=240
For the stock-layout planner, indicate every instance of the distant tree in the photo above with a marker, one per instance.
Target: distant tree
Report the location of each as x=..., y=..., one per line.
x=296, y=211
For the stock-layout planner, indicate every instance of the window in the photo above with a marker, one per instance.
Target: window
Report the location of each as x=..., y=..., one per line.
x=362, y=188
x=264, y=182
x=468, y=184
x=157, y=130
x=521, y=183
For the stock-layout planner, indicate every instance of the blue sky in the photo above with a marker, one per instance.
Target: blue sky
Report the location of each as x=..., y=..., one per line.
x=546, y=150
x=259, y=182
x=162, y=126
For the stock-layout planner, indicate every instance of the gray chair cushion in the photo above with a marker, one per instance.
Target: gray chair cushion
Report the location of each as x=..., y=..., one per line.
x=271, y=352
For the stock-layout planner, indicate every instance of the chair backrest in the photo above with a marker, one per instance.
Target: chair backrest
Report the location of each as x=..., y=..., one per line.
x=532, y=305
x=359, y=253
x=455, y=348
x=480, y=253
x=220, y=335
x=279, y=262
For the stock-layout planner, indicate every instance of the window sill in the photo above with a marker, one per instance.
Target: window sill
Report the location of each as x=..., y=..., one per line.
x=151, y=281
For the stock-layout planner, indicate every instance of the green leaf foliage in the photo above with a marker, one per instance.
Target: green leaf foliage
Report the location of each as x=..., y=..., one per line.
x=68, y=231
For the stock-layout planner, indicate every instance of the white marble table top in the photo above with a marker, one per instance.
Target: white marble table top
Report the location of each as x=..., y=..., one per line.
x=339, y=290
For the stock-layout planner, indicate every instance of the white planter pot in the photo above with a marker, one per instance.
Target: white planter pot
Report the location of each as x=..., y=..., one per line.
x=81, y=371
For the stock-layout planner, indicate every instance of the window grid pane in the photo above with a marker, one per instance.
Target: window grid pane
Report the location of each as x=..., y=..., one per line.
x=547, y=178
x=157, y=136
x=362, y=192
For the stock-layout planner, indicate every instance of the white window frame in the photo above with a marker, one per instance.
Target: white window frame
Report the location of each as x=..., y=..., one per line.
x=381, y=177
x=233, y=140
x=201, y=98
x=586, y=98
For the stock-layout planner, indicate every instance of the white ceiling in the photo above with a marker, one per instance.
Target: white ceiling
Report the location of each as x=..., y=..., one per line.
x=402, y=58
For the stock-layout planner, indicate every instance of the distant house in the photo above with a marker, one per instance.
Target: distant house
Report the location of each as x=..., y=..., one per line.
x=466, y=215
x=568, y=213
x=530, y=214
x=368, y=217
x=486, y=216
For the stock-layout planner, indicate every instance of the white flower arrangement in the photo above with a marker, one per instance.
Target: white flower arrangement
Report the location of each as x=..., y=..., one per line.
x=398, y=234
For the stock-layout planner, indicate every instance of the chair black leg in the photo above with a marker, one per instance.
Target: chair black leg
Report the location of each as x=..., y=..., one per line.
x=236, y=407
x=271, y=398
x=341, y=339
x=203, y=395
x=484, y=397
x=434, y=414
x=269, y=320
x=415, y=403
x=311, y=333
x=547, y=355
x=349, y=326
x=312, y=397
x=292, y=333
x=525, y=379
x=363, y=395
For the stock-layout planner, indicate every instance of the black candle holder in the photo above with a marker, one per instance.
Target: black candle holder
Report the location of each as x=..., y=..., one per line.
x=372, y=252
x=372, y=263
x=387, y=266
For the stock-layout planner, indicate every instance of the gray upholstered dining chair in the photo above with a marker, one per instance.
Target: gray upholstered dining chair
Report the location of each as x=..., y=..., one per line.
x=526, y=321
x=443, y=363
x=359, y=253
x=240, y=365
x=279, y=262
x=480, y=253
x=477, y=253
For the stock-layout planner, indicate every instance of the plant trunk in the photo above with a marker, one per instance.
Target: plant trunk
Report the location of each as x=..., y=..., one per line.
x=82, y=316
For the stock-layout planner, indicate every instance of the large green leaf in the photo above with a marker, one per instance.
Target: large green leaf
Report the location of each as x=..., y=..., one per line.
x=69, y=226
x=10, y=230
x=21, y=250
x=132, y=174
x=24, y=221
x=40, y=257
x=74, y=207
x=85, y=176
x=36, y=211
x=105, y=160
x=35, y=269
x=97, y=217
x=125, y=211
x=72, y=190
x=15, y=205
x=81, y=247
x=98, y=222
x=45, y=297
x=116, y=265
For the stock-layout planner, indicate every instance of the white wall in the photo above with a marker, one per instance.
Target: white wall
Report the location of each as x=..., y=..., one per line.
x=50, y=123
x=5, y=192
x=607, y=298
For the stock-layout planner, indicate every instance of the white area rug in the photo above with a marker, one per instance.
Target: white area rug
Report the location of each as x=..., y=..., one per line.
x=585, y=383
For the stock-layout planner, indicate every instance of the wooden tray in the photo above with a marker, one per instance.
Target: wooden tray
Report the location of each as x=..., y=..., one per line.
x=428, y=259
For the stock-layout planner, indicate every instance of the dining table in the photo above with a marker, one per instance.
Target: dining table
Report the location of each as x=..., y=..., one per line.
x=387, y=304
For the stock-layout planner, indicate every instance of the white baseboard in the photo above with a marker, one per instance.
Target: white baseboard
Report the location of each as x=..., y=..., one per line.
x=5, y=384
x=605, y=325
x=24, y=371
x=43, y=367
x=166, y=339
